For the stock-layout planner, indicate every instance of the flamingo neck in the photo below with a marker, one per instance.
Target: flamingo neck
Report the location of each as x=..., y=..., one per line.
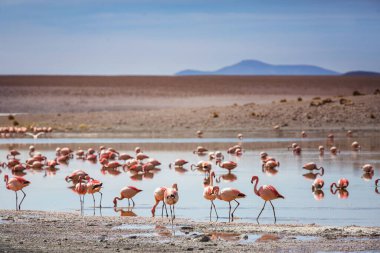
x=255, y=186
x=212, y=179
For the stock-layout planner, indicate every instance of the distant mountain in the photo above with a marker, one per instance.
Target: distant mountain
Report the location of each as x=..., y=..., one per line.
x=253, y=67
x=361, y=73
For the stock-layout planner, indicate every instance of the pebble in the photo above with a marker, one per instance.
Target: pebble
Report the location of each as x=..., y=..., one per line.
x=205, y=238
x=190, y=249
x=132, y=237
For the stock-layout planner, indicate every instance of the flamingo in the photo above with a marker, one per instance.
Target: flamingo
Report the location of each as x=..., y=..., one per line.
x=171, y=198
x=317, y=184
x=367, y=168
x=94, y=186
x=312, y=166
x=140, y=156
x=127, y=192
x=81, y=189
x=199, y=133
x=349, y=133
x=229, y=165
x=267, y=193
x=376, y=182
x=200, y=150
x=334, y=150
x=75, y=175
x=158, y=197
x=240, y=136
x=178, y=163
x=290, y=147
x=13, y=153
x=321, y=150
x=228, y=195
x=355, y=146
x=16, y=184
x=35, y=136
x=342, y=184
x=208, y=194
x=303, y=134
x=124, y=156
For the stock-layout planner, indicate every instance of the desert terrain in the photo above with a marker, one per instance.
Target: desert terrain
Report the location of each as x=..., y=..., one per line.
x=178, y=106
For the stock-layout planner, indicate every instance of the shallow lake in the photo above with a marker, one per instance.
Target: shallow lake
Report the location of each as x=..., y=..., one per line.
x=49, y=191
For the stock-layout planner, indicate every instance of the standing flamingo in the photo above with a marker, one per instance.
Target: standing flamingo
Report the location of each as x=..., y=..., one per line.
x=16, y=184
x=158, y=197
x=267, y=193
x=171, y=198
x=81, y=189
x=229, y=165
x=94, y=186
x=208, y=194
x=127, y=192
x=228, y=195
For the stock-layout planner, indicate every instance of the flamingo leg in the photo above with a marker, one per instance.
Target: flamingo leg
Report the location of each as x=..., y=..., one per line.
x=93, y=197
x=212, y=202
x=133, y=203
x=16, y=201
x=274, y=213
x=235, y=209
x=261, y=211
x=154, y=208
x=129, y=203
x=19, y=206
x=101, y=196
x=166, y=209
x=210, y=210
x=229, y=213
x=173, y=212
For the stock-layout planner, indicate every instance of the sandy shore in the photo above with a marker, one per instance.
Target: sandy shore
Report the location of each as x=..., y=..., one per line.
x=36, y=231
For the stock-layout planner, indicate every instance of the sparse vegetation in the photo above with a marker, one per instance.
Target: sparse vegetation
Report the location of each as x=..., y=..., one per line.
x=215, y=115
x=83, y=127
x=345, y=101
x=299, y=99
x=15, y=123
x=283, y=101
x=376, y=92
x=11, y=117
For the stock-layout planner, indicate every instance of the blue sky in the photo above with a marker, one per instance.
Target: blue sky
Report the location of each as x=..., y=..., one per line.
x=161, y=37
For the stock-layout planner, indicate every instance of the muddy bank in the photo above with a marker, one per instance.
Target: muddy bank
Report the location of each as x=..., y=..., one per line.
x=37, y=231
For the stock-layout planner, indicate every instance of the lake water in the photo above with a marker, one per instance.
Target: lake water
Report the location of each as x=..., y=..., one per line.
x=49, y=191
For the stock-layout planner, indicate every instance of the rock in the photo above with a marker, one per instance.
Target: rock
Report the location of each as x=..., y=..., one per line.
x=204, y=238
x=132, y=237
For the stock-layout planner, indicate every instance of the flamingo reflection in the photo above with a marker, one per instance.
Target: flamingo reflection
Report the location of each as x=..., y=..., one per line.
x=318, y=194
x=229, y=177
x=125, y=212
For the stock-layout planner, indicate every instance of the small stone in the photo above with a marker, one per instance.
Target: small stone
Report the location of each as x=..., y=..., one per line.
x=190, y=249
x=45, y=240
x=205, y=238
x=21, y=242
x=245, y=237
x=132, y=237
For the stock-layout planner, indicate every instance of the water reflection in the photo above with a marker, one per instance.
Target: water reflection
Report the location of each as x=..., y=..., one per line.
x=229, y=177
x=125, y=211
x=226, y=236
x=270, y=171
x=367, y=176
x=312, y=175
x=318, y=194
x=342, y=193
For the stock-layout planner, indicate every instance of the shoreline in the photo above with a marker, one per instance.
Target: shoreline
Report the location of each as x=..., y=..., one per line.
x=44, y=231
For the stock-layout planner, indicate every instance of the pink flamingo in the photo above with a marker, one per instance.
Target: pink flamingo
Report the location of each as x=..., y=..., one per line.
x=317, y=184
x=81, y=189
x=228, y=195
x=267, y=193
x=16, y=184
x=313, y=166
x=94, y=186
x=229, y=165
x=208, y=194
x=75, y=175
x=13, y=153
x=178, y=163
x=171, y=198
x=367, y=168
x=127, y=193
x=158, y=197
x=342, y=184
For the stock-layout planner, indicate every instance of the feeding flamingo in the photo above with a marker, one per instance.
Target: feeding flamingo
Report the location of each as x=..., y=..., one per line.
x=367, y=168
x=16, y=184
x=228, y=195
x=267, y=193
x=342, y=184
x=317, y=184
x=158, y=197
x=75, y=175
x=178, y=163
x=313, y=166
x=13, y=153
x=171, y=198
x=208, y=193
x=200, y=150
x=355, y=146
x=127, y=193
x=229, y=165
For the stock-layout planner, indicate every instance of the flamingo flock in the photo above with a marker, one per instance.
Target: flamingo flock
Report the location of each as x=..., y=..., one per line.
x=112, y=162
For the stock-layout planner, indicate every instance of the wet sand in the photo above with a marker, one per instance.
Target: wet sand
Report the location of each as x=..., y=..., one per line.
x=36, y=231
